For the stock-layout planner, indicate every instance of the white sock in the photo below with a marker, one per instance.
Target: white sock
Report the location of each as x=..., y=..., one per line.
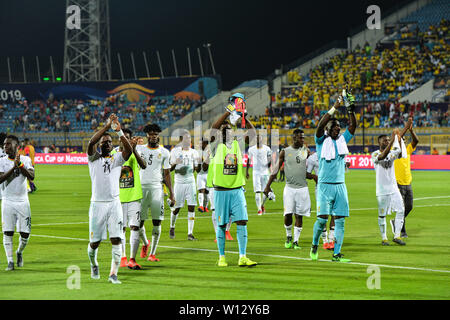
x=92, y=253
x=288, y=230
x=331, y=235
x=134, y=243
x=143, y=235
x=258, y=200
x=200, y=199
x=213, y=218
x=156, y=234
x=124, y=239
x=297, y=232
x=191, y=218
x=8, y=245
x=264, y=199
x=398, y=224
x=115, y=261
x=22, y=244
x=382, y=225
x=173, y=219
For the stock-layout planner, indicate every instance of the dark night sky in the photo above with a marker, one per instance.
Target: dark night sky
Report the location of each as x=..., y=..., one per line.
x=249, y=38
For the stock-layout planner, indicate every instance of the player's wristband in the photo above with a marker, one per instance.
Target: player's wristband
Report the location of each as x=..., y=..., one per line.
x=332, y=111
x=120, y=133
x=21, y=165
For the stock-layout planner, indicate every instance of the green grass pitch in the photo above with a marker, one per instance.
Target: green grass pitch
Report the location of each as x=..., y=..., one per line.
x=187, y=270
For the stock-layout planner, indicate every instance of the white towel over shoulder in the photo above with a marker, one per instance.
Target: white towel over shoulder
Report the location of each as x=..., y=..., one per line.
x=328, y=151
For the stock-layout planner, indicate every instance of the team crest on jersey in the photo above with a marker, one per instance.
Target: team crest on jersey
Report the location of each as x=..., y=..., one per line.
x=126, y=178
x=159, y=155
x=230, y=164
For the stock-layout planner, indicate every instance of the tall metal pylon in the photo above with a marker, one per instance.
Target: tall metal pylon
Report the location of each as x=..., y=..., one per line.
x=87, y=51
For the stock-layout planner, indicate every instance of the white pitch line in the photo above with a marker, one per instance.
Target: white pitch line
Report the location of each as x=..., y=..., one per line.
x=426, y=198
x=268, y=255
x=253, y=214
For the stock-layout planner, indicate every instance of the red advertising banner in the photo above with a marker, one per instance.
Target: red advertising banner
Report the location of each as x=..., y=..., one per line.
x=418, y=162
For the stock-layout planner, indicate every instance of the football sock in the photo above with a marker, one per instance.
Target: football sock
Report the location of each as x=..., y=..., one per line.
x=205, y=200
x=288, y=230
x=124, y=239
x=156, y=234
x=143, y=236
x=382, y=225
x=398, y=223
x=297, y=232
x=220, y=236
x=258, y=200
x=8, y=245
x=264, y=199
x=22, y=244
x=317, y=230
x=241, y=232
x=331, y=234
x=115, y=261
x=92, y=253
x=191, y=218
x=134, y=243
x=173, y=219
x=200, y=199
x=339, y=225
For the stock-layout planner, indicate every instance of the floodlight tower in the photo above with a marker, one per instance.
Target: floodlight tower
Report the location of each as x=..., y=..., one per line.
x=87, y=51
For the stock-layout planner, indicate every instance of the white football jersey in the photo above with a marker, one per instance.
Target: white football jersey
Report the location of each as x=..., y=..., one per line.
x=189, y=159
x=261, y=158
x=15, y=188
x=2, y=154
x=157, y=159
x=312, y=164
x=385, y=172
x=105, y=175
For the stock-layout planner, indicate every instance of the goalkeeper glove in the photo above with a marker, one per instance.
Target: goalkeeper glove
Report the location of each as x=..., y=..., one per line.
x=349, y=101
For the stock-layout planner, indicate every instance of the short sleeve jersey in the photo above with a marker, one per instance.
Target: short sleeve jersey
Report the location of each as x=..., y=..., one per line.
x=385, y=172
x=15, y=188
x=184, y=170
x=157, y=160
x=260, y=158
x=105, y=175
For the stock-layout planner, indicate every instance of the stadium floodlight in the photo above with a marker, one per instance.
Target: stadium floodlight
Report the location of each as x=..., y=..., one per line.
x=46, y=79
x=87, y=47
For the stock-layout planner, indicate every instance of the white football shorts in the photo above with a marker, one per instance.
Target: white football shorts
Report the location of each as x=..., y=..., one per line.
x=103, y=217
x=201, y=181
x=153, y=199
x=185, y=192
x=259, y=182
x=16, y=215
x=131, y=213
x=297, y=201
x=390, y=202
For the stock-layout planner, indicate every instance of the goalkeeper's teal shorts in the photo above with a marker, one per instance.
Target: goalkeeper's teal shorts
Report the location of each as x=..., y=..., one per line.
x=230, y=204
x=332, y=199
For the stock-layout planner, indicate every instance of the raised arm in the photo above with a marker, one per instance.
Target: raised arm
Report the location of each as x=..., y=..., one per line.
x=96, y=137
x=386, y=151
x=408, y=125
x=127, y=148
x=415, y=139
x=320, y=131
x=142, y=163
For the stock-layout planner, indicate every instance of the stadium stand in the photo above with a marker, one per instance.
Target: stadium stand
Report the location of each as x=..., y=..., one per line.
x=86, y=116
